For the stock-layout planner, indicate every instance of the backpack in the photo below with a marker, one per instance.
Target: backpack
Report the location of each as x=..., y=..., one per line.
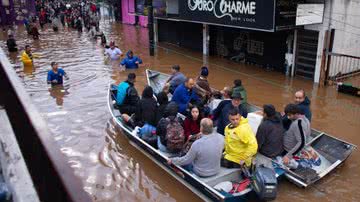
x=174, y=135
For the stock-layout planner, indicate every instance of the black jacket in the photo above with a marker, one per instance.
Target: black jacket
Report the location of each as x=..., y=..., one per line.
x=146, y=112
x=131, y=100
x=305, y=108
x=270, y=137
x=160, y=112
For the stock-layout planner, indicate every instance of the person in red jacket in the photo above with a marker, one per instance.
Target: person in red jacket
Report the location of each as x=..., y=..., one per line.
x=192, y=122
x=93, y=8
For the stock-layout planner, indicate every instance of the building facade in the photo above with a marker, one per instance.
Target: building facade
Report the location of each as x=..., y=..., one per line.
x=314, y=39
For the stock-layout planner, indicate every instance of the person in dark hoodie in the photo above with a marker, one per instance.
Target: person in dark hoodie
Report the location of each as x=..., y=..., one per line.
x=130, y=61
x=146, y=108
x=270, y=133
x=171, y=113
x=202, y=85
x=127, y=96
x=163, y=101
x=304, y=104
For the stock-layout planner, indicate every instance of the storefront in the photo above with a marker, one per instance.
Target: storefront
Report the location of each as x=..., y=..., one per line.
x=256, y=31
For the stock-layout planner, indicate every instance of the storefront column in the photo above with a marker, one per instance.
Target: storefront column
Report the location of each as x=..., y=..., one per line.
x=319, y=56
x=206, y=39
x=156, y=31
x=294, y=53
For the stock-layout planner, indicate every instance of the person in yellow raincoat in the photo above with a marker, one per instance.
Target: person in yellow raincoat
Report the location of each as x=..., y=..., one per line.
x=240, y=142
x=27, y=56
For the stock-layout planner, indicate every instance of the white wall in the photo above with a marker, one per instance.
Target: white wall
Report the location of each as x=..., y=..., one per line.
x=172, y=6
x=344, y=16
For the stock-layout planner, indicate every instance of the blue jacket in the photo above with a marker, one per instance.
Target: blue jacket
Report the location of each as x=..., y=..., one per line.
x=58, y=77
x=182, y=96
x=121, y=92
x=305, y=108
x=130, y=62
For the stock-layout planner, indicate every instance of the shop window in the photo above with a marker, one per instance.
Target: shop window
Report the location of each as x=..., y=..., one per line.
x=159, y=7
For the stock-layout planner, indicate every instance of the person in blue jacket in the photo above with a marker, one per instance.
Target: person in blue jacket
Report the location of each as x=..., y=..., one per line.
x=185, y=95
x=130, y=61
x=56, y=74
x=127, y=96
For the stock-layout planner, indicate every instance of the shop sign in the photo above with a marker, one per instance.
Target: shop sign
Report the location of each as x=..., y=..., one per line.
x=251, y=14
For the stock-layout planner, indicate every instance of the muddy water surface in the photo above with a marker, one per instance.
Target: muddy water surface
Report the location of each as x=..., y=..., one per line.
x=111, y=168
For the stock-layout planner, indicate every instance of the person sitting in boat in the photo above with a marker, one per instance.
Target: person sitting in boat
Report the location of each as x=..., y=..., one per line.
x=130, y=61
x=295, y=138
x=240, y=142
x=216, y=105
x=175, y=80
x=202, y=85
x=270, y=133
x=204, y=156
x=304, y=103
x=56, y=74
x=170, y=114
x=146, y=108
x=222, y=116
x=185, y=96
x=192, y=122
x=163, y=101
x=239, y=88
x=127, y=96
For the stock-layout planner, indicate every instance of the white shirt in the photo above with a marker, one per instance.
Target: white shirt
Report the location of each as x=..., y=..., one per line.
x=114, y=54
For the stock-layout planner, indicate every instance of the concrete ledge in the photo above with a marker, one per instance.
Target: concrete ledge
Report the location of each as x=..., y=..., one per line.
x=12, y=162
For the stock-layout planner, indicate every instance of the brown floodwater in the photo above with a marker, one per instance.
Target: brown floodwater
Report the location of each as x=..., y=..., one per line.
x=110, y=168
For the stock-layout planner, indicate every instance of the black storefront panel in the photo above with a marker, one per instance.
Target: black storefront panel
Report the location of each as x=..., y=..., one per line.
x=184, y=34
x=254, y=47
x=250, y=14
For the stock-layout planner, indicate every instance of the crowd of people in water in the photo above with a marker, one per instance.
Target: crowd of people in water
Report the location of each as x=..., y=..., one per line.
x=193, y=142
x=200, y=128
x=79, y=15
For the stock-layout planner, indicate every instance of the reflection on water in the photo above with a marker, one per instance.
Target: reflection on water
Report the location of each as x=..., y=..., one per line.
x=58, y=92
x=111, y=168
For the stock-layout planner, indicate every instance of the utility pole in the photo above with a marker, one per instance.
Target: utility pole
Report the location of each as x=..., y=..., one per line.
x=151, y=27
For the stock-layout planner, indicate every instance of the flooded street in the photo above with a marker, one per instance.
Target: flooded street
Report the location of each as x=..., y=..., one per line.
x=112, y=169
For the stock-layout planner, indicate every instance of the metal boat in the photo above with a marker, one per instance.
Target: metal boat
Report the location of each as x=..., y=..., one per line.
x=331, y=151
